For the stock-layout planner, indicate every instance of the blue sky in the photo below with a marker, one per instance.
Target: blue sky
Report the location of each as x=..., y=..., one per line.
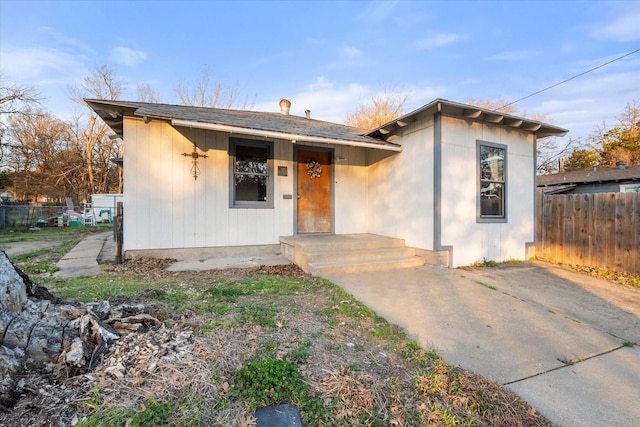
x=328, y=56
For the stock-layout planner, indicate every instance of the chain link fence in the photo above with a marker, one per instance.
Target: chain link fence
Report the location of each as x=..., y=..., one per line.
x=15, y=216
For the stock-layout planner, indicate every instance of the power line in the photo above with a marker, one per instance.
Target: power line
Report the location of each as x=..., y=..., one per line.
x=570, y=78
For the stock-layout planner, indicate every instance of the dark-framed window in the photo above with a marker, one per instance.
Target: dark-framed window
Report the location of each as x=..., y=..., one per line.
x=492, y=182
x=251, y=168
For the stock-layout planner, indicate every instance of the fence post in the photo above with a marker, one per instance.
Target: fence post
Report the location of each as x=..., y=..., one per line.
x=119, y=233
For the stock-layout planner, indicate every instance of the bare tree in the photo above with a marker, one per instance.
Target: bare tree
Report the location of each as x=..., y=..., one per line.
x=550, y=150
x=93, y=135
x=380, y=109
x=38, y=138
x=14, y=99
x=204, y=93
x=147, y=94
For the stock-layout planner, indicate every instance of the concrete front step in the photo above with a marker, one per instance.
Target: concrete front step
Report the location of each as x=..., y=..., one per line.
x=324, y=255
x=342, y=267
x=360, y=254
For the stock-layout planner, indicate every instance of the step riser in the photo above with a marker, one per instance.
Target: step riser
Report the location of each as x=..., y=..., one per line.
x=372, y=255
x=365, y=267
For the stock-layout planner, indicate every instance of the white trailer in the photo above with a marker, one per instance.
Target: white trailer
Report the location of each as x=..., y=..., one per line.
x=104, y=206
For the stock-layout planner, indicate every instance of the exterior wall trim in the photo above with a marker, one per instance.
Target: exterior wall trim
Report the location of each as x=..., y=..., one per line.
x=437, y=189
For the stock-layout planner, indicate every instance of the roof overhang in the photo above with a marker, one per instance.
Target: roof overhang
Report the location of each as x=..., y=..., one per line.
x=294, y=138
x=388, y=132
x=113, y=113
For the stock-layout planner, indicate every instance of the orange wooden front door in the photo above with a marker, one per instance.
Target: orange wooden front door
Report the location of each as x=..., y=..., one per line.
x=314, y=192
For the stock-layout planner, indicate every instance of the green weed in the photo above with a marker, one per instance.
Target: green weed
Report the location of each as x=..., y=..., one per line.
x=433, y=381
x=486, y=285
x=267, y=382
x=49, y=234
x=569, y=362
x=484, y=263
x=40, y=268
x=84, y=289
x=354, y=367
x=154, y=413
x=108, y=418
x=416, y=354
x=224, y=293
x=300, y=353
x=437, y=415
x=268, y=349
x=258, y=314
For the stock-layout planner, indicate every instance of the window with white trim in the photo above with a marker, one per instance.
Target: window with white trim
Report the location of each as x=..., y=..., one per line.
x=251, y=173
x=492, y=183
x=630, y=188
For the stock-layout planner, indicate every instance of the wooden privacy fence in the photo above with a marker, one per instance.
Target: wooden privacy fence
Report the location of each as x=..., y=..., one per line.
x=600, y=230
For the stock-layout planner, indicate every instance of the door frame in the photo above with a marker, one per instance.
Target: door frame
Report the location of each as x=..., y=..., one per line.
x=332, y=198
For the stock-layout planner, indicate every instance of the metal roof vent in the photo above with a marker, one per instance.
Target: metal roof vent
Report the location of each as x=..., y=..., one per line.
x=621, y=164
x=285, y=105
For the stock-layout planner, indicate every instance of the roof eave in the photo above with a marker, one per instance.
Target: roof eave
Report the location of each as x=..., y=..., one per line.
x=112, y=112
x=467, y=112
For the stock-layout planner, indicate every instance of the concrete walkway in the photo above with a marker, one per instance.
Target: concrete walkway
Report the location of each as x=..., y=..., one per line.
x=553, y=336
x=82, y=260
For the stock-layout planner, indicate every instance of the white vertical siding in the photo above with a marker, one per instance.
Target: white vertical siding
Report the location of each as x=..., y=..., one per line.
x=350, y=187
x=379, y=192
x=473, y=241
x=401, y=189
x=167, y=208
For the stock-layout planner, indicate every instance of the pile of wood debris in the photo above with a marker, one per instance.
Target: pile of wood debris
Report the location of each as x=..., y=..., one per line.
x=45, y=341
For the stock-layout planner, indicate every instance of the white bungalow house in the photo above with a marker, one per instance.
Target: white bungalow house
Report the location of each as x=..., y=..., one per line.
x=453, y=183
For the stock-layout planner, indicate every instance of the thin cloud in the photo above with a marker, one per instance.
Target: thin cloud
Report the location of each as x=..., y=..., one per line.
x=320, y=83
x=625, y=28
x=583, y=105
x=127, y=56
x=351, y=52
x=34, y=64
x=68, y=43
x=349, y=57
x=434, y=41
x=327, y=100
x=333, y=101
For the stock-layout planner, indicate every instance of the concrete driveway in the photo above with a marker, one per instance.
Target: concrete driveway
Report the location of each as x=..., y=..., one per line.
x=553, y=336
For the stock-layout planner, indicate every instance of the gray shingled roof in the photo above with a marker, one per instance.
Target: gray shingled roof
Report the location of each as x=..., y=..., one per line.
x=296, y=127
x=629, y=173
x=113, y=111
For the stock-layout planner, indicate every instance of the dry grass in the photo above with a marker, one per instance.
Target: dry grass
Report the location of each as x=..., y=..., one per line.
x=363, y=370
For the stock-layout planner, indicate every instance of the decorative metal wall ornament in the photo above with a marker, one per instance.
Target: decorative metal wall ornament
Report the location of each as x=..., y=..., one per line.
x=314, y=169
x=195, y=170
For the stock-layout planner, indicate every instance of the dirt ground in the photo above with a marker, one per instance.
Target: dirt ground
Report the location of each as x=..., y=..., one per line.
x=18, y=248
